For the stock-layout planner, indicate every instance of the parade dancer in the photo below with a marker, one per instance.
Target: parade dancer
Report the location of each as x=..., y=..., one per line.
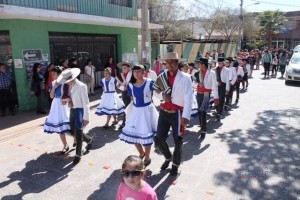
x=175, y=111
x=123, y=80
x=246, y=68
x=240, y=74
x=58, y=120
x=79, y=113
x=206, y=83
x=191, y=71
x=110, y=104
x=223, y=85
x=232, y=80
x=142, y=116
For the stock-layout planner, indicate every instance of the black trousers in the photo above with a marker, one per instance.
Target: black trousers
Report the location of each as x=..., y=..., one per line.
x=222, y=94
x=245, y=80
x=237, y=89
x=6, y=100
x=229, y=96
x=126, y=99
x=76, y=125
x=202, y=117
x=282, y=69
x=267, y=68
x=274, y=69
x=165, y=121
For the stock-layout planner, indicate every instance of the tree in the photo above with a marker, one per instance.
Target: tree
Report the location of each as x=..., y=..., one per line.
x=169, y=14
x=228, y=23
x=271, y=22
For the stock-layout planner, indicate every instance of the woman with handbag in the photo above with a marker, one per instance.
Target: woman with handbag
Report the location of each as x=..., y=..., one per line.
x=89, y=76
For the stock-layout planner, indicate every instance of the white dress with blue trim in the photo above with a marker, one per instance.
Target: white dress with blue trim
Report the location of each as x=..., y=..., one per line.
x=142, y=116
x=110, y=103
x=58, y=120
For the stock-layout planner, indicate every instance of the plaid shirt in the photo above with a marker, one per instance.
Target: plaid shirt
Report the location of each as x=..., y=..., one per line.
x=5, y=80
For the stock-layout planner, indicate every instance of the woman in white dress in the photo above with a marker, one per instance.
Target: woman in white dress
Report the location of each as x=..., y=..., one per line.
x=141, y=123
x=111, y=104
x=89, y=76
x=58, y=120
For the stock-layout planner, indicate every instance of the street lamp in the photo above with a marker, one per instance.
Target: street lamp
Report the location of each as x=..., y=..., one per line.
x=241, y=21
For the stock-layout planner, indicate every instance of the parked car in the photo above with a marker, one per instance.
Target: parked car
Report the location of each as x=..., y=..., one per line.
x=293, y=69
x=297, y=49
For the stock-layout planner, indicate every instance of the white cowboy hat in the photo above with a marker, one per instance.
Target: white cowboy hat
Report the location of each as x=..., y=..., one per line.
x=120, y=64
x=68, y=75
x=172, y=56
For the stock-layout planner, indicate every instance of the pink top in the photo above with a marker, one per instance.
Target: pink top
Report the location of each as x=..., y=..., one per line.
x=126, y=193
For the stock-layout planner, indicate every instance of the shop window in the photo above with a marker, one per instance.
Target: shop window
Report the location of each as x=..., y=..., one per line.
x=126, y=3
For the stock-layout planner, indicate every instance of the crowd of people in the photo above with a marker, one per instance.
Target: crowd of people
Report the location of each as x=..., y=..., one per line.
x=185, y=91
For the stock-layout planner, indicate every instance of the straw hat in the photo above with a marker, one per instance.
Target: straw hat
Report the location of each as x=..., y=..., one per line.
x=120, y=64
x=172, y=56
x=68, y=75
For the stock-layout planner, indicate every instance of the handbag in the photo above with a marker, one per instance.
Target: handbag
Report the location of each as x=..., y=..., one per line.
x=87, y=79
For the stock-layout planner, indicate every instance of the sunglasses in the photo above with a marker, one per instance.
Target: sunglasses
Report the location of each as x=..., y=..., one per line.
x=127, y=173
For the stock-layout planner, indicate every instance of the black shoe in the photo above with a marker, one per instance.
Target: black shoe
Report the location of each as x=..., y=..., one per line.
x=76, y=160
x=65, y=150
x=174, y=170
x=165, y=165
x=121, y=126
x=203, y=133
x=237, y=100
x=89, y=145
x=147, y=163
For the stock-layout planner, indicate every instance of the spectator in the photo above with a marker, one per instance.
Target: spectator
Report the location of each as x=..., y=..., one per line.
x=282, y=62
x=266, y=60
x=64, y=63
x=89, y=76
x=39, y=83
x=73, y=63
x=157, y=65
x=110, y=63
x=5, y=91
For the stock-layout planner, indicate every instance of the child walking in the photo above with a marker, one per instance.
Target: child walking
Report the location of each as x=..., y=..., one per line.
x=111, y=104
x=58, y=120
x=133, y=186
x=141, y=123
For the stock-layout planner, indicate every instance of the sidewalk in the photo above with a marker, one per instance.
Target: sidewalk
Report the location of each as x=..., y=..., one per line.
x=27, y=122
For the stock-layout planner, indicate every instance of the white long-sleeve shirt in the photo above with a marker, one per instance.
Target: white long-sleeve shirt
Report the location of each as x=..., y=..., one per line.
x=225, y=77
x=239, y=71
x=232, y=75
x=80, y=99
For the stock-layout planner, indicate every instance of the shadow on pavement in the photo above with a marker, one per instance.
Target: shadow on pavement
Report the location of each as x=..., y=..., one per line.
x=38, y=175
x=103, y=136
x=111, y=184
x=268, y=156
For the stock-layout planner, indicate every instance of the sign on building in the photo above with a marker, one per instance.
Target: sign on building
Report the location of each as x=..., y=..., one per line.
x=32, y=55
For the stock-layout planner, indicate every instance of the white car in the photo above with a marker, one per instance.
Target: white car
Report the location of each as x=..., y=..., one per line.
x=297, y=49
x=293, y=68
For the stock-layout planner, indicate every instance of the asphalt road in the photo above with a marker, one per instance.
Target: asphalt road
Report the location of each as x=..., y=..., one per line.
x=253, y=153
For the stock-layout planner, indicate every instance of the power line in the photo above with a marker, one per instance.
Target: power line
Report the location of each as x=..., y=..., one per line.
x=279, y=4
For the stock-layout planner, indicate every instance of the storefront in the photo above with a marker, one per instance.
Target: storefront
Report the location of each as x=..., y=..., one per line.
x=56, y=41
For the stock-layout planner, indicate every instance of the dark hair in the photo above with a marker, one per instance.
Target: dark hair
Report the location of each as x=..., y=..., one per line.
x=133, y=79
x=50, y=65
x=62, y=61
x=235, y=64
x=2, y=64
x=182, y=64
x=73, y=59
x=192, y=64
x=134, y=159
x=88, y=60
x=35, y=75
x=57, y=69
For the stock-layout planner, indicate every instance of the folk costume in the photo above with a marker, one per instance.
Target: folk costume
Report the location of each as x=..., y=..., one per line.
x=142, y=116
x=240, y=74
x=209, y=81
x=179, y=106
x=232, y=80
x=223, y=85
x=246, y=67
x=123, y=79
x=58, y=120
x=79, y=111
x=110, y=103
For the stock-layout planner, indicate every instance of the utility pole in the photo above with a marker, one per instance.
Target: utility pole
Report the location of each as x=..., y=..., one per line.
x=145, y=32
x=240, y=26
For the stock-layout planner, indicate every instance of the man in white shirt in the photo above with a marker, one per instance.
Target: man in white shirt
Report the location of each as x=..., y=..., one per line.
x=79, y=113
x=223, y=85
x=232, y=80
x=247, y=70
x=240, y=73
x=150, y=74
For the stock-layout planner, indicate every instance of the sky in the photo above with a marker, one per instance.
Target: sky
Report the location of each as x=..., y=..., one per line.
x=290, y=5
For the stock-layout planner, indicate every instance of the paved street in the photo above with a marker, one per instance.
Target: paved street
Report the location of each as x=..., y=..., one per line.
x=252, y=154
